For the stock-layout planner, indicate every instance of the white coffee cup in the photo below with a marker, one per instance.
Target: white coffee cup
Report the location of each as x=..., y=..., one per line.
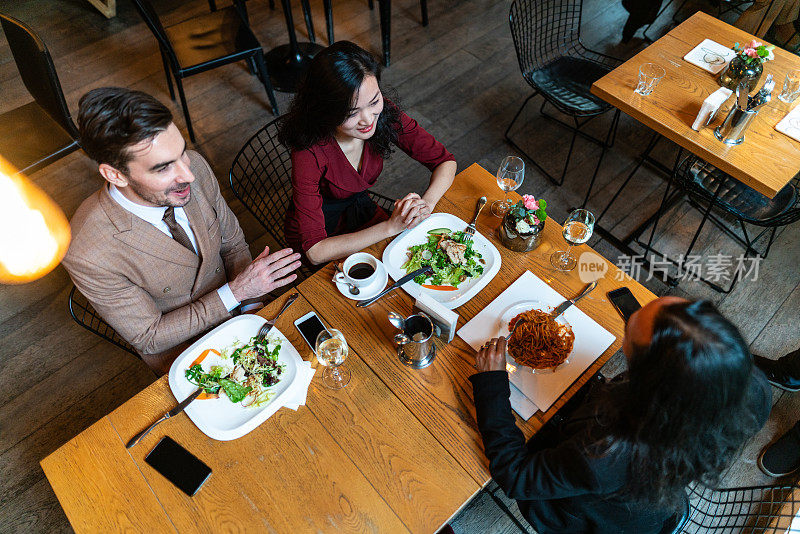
x=359, y=269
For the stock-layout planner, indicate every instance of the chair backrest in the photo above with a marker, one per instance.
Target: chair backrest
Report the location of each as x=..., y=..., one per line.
x=762, y=509
x=544, y=30
x=261, y=178
x=150, y=17
x=37, y=71
x=85, y=315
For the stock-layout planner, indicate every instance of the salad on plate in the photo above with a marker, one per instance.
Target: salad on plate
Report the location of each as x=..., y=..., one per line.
x=451, y=256
x=243, y=372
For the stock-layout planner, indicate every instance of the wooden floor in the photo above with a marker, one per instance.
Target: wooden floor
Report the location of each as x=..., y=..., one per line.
x=458, y=77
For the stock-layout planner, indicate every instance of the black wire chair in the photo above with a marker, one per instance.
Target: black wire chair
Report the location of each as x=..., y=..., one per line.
x=750, y=510
x=556, y=64
x=732, y=206
x=203, y=43
x=85, y=315
x=261, y=178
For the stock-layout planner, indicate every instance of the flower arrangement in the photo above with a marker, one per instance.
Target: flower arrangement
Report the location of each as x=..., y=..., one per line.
x=528, y=213
x=754, y=52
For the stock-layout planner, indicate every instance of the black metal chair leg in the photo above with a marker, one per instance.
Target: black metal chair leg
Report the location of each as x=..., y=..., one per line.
x=385, y=8
x=309, y=23
x=167, y=74
x=606, y=146
x=212, y=5
x=261, y=65
x=499, y=502
x=423, y=6
x=179, y=83
x=327, y=4
x=371, y=4
x=272, y=4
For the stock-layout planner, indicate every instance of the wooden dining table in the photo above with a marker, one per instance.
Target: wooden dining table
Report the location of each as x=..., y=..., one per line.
x=397, y=450
x=766, y=161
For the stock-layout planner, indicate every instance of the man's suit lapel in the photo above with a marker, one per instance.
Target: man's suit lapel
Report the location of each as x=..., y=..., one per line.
x=195, y=208
x=143, y=236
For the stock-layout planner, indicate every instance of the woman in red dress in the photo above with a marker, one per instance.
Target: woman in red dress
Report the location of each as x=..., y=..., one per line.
x=340, y=129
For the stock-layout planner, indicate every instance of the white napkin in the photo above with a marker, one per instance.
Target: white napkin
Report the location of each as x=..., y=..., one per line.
x=540, y=389
x=299, y=392
x=790, y=124
x=708, y=50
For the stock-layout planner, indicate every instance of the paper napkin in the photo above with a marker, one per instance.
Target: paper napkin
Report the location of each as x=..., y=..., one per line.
x=305, y=373
x=540, y=389
x=790, y=124
x=710, y=56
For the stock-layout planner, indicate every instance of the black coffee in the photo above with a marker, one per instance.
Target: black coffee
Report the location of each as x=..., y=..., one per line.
x=360, y=271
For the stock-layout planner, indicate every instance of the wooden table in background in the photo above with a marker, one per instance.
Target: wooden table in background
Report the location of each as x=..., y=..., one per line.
x=397, y=450
x=766, y=161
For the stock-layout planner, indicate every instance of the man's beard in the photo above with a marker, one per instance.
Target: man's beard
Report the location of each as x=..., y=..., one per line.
x=162, y=200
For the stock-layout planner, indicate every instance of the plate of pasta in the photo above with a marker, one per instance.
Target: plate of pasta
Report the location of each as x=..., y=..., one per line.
x=540, y=342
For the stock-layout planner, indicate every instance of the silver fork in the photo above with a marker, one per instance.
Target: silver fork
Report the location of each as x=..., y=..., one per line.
x=469, y=232
x=266, y=327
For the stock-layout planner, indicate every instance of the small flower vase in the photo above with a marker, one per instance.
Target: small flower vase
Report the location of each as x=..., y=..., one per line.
x=739, y=70
x=513, y=240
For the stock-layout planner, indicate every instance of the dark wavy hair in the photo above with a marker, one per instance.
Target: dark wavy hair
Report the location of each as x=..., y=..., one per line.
x=685, y=409
x=325, y=97
x=112, y=119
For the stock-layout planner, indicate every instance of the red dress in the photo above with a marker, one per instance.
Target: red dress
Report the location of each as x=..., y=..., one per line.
x=322, y=177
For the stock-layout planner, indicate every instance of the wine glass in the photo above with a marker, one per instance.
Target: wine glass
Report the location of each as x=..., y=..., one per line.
x=578, y=229
x=331, y=349
x=509, y=177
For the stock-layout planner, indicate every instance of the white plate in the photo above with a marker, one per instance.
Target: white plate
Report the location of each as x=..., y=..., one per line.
x=516, y=309
x=396, y=254
x=366, y=292
x=220, y=418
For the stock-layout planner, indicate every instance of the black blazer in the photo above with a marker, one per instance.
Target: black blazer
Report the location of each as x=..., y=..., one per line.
x=559, y=487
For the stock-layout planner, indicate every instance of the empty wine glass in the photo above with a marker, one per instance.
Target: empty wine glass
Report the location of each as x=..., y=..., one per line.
x=331, y=349
x=509, y=177
x=578, y=229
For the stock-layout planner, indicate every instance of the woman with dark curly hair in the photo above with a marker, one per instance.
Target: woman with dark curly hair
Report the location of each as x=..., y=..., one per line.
x=340, y=129
x=620, y=461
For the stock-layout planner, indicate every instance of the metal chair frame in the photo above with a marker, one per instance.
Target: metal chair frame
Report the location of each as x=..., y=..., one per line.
x=261, y=178
x=254, y=57
x=544, y=31
x=40, y=78
x=85, y=315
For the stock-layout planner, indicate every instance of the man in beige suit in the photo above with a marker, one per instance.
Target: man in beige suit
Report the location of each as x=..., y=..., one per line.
x=156, y=250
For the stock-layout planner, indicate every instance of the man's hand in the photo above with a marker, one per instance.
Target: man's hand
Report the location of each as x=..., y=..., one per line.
x=267, y=272
x=492, y=356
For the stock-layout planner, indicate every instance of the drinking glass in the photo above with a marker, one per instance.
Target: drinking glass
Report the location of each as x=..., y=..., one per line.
x=791, y=86
x=578, y=229
x=331, y=349
x=509, y=177
x=649, y=76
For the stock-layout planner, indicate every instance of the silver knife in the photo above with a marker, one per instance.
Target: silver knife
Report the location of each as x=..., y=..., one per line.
x=173, y=412
x=410, y=276
x=561, y=308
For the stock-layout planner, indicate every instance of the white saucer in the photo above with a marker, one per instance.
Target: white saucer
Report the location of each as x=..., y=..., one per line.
x=369, y=291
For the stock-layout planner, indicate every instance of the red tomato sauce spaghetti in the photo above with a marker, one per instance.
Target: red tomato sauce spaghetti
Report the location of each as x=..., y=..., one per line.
x=539, y=341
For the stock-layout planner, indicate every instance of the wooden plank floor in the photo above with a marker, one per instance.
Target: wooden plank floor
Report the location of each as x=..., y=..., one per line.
x=458, y=77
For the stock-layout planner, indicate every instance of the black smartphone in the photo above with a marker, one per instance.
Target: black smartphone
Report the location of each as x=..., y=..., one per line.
x=624, y=301
x=178, y=465
x=309, y=326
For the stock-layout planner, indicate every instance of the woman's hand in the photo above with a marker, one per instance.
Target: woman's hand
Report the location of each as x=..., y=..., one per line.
x=492, y=356
x=413, y=209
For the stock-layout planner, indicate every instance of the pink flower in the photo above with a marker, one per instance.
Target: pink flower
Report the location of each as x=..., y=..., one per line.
x=536, y=220
x=750, y=52
x=530, y=202
x=753, y=44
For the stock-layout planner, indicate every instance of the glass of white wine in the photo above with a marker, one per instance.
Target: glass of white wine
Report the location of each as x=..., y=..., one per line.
x=331, y=349
x=510, y=175
x=578, y=229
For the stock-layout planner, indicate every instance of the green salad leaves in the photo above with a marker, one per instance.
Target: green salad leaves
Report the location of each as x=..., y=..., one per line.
x=449, y=254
